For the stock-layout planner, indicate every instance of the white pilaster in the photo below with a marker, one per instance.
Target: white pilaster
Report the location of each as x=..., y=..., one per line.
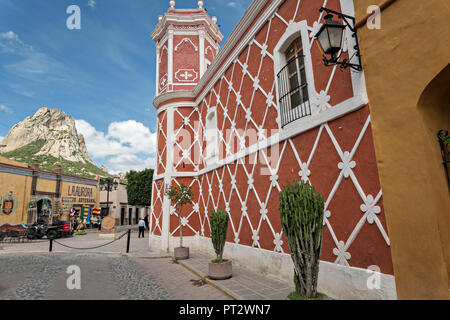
x=165, y=233
x=157, y=70
x=170, y=60
x=201, y=35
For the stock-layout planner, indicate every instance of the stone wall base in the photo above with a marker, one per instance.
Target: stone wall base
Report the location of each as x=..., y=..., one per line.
x=336, y=281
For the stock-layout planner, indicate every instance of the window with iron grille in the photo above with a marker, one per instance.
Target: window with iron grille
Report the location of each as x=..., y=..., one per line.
x=292, y=85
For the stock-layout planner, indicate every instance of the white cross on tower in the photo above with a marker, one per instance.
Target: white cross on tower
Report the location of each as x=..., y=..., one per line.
x=186, y=75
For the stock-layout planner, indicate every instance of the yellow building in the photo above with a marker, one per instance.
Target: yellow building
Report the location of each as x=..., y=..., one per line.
x=28, y=194
x=406, y=67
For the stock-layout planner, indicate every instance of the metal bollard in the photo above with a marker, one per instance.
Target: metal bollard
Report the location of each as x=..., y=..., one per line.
x=51, y=245
x=128, y=240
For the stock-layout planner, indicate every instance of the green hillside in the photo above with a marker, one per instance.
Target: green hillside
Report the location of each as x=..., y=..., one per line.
x=27, y=153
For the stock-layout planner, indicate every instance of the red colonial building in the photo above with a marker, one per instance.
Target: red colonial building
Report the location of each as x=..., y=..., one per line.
x=237, y=124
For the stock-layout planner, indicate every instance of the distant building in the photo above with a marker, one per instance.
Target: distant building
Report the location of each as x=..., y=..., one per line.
x=118, y=207
x=28, y=194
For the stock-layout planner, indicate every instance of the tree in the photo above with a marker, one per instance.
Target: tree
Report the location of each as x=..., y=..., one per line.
x=180, y=196
x=139, y=187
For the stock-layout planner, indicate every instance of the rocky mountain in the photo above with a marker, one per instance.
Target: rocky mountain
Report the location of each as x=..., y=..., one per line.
x=56, y=128
x=50, y=136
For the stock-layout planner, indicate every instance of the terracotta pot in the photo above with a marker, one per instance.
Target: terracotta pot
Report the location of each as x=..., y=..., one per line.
x=220, y=271
x=181, y=253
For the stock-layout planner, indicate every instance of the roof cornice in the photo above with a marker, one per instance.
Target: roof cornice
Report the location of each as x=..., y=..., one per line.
x=160, y=99
x=200, y=18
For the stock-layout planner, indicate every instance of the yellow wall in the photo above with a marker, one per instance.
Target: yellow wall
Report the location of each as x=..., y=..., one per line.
x=43, y=185
x=400, y=62
x=20, y=186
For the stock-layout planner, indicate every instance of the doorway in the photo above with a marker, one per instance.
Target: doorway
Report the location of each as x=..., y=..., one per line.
x=130, y=211
x=137, y=216
x=122, y=216
x=44, y=210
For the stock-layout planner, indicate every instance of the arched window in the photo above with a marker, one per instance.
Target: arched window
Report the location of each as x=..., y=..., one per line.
x=212, y=149
x=292, y=84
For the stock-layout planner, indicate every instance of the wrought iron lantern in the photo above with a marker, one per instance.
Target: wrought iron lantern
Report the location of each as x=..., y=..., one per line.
x=330, y=38
x=108, y=185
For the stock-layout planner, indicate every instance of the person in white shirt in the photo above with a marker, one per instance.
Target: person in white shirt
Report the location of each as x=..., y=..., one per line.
x=141, y=225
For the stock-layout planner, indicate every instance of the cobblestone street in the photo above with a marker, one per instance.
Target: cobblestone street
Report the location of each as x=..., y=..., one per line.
x=28, y=272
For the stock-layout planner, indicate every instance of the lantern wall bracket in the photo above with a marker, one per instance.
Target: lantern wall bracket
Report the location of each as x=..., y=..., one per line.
x=350, y=22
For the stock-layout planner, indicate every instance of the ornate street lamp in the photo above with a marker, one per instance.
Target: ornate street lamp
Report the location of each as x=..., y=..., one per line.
x=108, y=184
x=330, y=38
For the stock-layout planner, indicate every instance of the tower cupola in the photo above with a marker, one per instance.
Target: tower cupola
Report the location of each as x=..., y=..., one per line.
x=187, y=41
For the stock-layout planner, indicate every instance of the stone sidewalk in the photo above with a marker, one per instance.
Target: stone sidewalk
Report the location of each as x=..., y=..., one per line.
x=244, y=285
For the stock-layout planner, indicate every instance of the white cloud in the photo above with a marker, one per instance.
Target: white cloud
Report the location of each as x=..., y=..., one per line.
x=5, y=108
x=232, y=4
x=9, y=35
x=127, y=162
x=127, y=145
x=92, y=4
x=32, y=65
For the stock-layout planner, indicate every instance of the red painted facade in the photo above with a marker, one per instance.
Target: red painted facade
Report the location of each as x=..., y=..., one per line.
x=336, y=154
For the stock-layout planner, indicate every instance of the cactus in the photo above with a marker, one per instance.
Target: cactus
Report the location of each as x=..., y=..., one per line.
x=301, y=209
x=219, y=226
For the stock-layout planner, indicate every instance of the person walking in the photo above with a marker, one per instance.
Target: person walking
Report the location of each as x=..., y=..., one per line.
x=99, y=222
x=141, y=225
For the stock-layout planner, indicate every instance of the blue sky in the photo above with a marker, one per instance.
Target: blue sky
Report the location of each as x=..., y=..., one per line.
x=102, y=75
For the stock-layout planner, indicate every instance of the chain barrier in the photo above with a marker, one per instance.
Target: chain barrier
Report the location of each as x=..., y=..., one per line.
x=24, y=239
x=96, y=247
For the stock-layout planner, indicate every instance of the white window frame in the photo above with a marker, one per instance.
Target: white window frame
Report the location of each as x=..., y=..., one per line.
x=211, y=137
x=293, y=31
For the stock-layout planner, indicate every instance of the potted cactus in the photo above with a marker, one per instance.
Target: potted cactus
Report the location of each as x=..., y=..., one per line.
x=301, y=209
x=219, y=269
x=180, y=196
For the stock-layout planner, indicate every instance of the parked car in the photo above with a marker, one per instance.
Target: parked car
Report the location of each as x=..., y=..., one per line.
x=57, y=229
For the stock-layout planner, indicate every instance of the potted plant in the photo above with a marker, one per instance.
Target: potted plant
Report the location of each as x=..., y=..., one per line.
x=301, y=209
x=219, y=269
x=180, y=196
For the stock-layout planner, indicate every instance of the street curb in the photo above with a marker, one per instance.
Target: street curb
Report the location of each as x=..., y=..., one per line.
x=150, y=258
x=209, y=281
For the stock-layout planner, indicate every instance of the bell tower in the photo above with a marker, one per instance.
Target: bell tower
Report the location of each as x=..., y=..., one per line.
x=187, y=40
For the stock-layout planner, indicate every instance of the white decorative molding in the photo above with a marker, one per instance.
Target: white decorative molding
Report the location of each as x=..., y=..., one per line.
x=208, y=48
x=161, y=53
x=228, y=50
x=293, y=31
x=186, y=40
x=170, y=58
x=186, y=75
